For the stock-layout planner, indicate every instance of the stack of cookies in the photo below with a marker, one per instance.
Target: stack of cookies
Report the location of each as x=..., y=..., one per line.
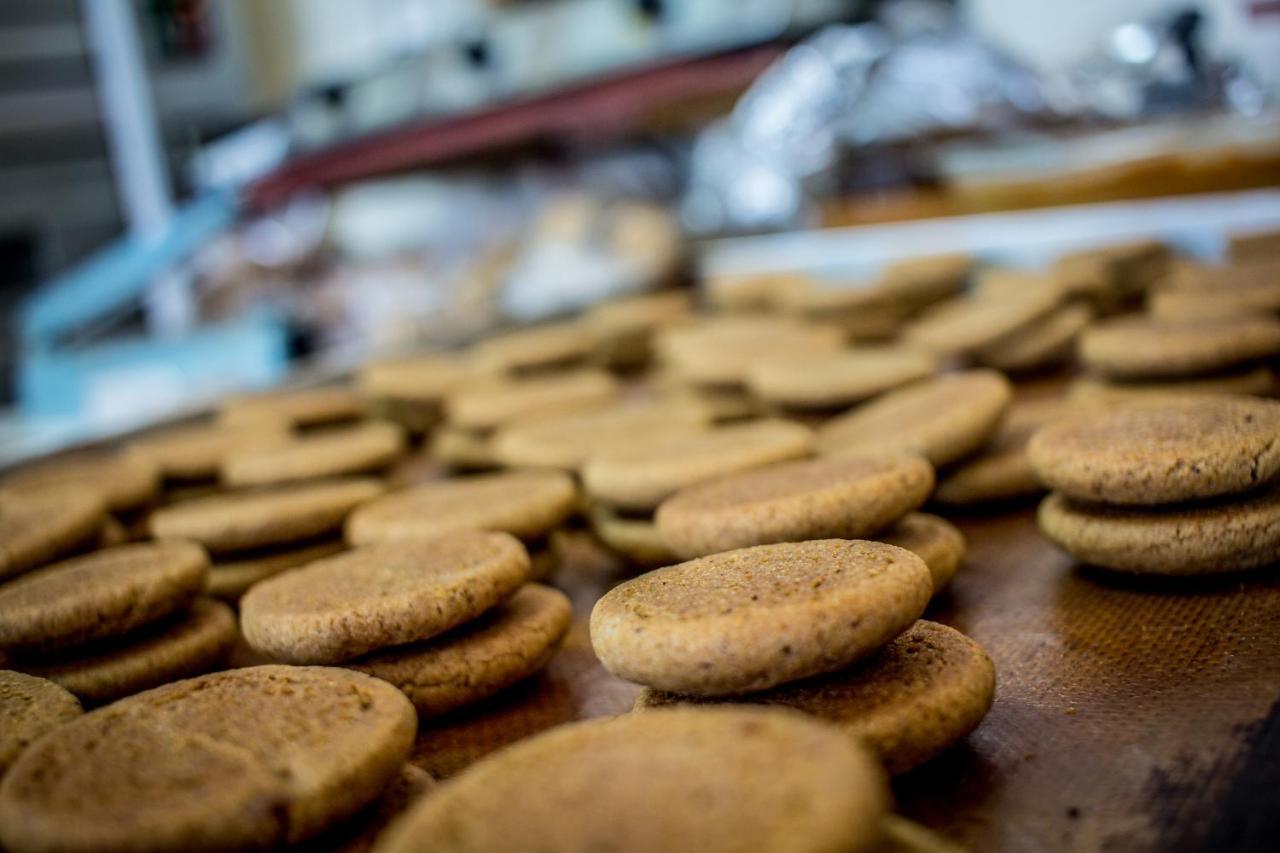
x=1179, y=486
x=449, y=619
x=117, y=621
x=829, y=627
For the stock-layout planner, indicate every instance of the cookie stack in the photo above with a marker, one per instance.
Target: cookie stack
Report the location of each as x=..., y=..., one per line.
x=448, y=619
x=825, y=626
x=1182, y=486
x=116, y=621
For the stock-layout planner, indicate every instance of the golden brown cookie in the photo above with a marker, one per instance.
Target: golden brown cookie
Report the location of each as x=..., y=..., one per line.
x=966, y=324
x=753, y=293
x=757, y=617
x=30, y=707
x=381, y=595
x=410, y=391
x=42, y=523
x=1040, y=344
x=504, y=646
x=463, y=449
x=1259, y=381
x=641, y=478
x=926, y=279
x=1230, y=535
x=230, y=579
x=1226, y=301
x=196, y=452
x=180, y=646
x=1148, y=348
x=943, y=419
x=933, y=539
x=918, y=696
x=621, y=330
x=526, y=504
x=1161, y=452
x=101, y=595
x=301, y=407
x=360, y=449
x=829, y=498
x=827, y=380
x=673, y=779
x=549, y=345
x=566, y=442
x=721, y=351
x=1002, y=469
x=124, y=481
x=636, y=539
x=244, y=759
x=260, y=519
x=490, y=403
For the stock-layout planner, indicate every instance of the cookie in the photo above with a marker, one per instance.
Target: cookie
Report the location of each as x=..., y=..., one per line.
x=753, y=293
x=915, y=698
x=1225, y=536
x=965, y=324
x=1260, y=246
x=757, y=617
x=1148, y=348
x=104, y=594
x=463, y=449
x=641, y=478
x=828, y=498
x=488, y=404
x=504, y=646
x=674, y=779
x=360, y=449
x=1259, y=381
x=230, y=579
x=260, y=519
x=410, y=391
x=300, y=407
x=1161, y=452
x=244, y=759
x=931, y=538
x=541, y=347
x=943, y=419
x=1225, y=301
x=124, y=481
x=1042, y=343
x=722, y=351
x=526, y=504
x=828, y=380
x=1114, y=275
x=566, y=442
x=869, y=313
x=1002, y=469
x=196, y=452
x=183, y=645
x=621, y=330
x=42, y=523
x=637, y=540
x=381, y=595
x=360, y=832
x=926, y=279
x=30, y=707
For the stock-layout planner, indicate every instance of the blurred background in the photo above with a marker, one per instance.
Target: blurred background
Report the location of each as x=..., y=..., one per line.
x=203, y=197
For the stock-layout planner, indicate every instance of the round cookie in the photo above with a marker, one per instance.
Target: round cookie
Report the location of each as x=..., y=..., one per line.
x=967, y=323
x=488, y=404
x=300, y=407
x=757, y=617
x=411, y=391
x=918, y=696
x=239, y=522
x=754, y=293
x=827, y=498
x=504, y=646
x=1002, y=469
x=672, y=779
x=30, y=707
x=1259, y=381
x=1147, y=348
x=526, y=504
x=721, y=351
x=103, y=594
x=359, y=449
x=196, y=452
x=567, y=442
x=244, y=759
x=621, y=330
x=124, y=481
x=231, y=579
x=931, y=538
x=179, y=647
x=1161, y=452
x=1227, y=536
x=463, y=449
x=943, y=419
x=641, y=478
x=1047, y=341
x=827, y=380
x=40, y=524
x=1226, y=301
x=541, y=347
x=381, y=595
x=638, y=540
